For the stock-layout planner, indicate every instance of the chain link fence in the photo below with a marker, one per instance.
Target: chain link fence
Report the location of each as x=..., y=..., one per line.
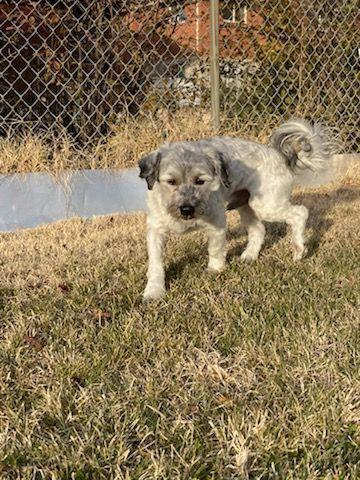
x=85, y=66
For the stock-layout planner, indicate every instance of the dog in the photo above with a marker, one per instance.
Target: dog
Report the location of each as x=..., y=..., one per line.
x=191, y=184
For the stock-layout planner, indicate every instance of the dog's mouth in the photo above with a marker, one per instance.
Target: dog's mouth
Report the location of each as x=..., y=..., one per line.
x=188, y=217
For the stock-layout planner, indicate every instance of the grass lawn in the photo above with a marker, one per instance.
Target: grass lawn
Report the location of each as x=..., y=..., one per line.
x=253, y=373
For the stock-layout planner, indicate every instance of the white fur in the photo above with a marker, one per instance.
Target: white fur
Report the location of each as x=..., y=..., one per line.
x=267, y=172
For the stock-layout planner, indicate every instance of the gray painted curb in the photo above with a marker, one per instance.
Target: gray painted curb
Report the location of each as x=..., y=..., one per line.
x=33, y=199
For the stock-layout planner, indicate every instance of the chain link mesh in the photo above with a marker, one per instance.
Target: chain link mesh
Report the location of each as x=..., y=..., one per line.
x=293, y=57
x=88, y=65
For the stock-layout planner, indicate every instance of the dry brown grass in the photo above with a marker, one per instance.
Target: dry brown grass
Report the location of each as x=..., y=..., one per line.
x=250, y=374
x=37, y=153
x=127, y=143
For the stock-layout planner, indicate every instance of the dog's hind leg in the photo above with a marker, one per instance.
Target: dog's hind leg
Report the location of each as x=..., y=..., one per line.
x=293, y=215
x=256, y=233
x=296, y=217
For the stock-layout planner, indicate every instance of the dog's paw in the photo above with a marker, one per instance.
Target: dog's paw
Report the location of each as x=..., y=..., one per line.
x=215, y=266
x=299, y=252
x=249, y=256
x=153, y=292
x=214, y=271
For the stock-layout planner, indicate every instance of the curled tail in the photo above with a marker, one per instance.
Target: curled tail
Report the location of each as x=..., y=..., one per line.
x=308, y=150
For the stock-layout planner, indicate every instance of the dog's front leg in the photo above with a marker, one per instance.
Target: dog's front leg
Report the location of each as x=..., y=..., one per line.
x=155, y=287
x=217, y=249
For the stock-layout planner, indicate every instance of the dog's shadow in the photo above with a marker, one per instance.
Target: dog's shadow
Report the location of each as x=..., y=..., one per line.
x=319, y=205
x=176, y=268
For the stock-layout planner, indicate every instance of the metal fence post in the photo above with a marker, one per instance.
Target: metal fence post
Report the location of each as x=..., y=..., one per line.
x=214, y=63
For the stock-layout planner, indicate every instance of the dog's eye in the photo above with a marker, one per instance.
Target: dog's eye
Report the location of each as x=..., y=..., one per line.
x=199, y=181
x=171, y=181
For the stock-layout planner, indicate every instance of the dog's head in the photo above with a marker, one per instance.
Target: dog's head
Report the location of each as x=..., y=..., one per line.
x=185, y=175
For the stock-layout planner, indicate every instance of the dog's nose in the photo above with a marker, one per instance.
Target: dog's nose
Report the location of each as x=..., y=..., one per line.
x=187, y=210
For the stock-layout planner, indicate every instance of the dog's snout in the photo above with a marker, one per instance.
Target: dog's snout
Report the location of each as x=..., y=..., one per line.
x=187, y=210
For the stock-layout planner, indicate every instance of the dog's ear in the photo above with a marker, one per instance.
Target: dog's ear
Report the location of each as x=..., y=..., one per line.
x=220, y=163
x=224, y=170
x=221, y=166
x=149, y=168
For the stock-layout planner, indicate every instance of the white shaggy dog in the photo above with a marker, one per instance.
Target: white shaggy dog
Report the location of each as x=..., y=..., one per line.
x=191, y=184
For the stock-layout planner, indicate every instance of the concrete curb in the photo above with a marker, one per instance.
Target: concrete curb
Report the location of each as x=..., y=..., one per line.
x=29, y=200
x=33, y=199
